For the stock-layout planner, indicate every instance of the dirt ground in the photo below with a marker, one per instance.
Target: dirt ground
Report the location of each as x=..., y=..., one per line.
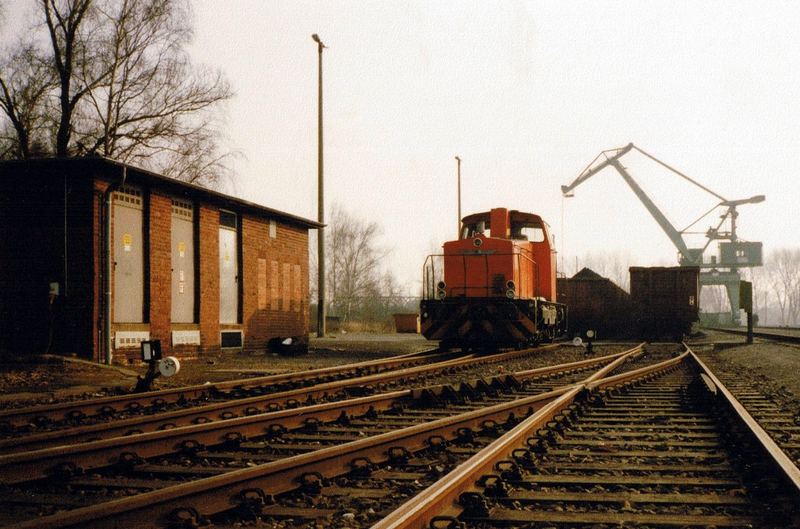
x=772, y=367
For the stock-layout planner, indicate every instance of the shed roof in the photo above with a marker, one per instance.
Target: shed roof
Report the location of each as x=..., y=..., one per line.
x=77, y=168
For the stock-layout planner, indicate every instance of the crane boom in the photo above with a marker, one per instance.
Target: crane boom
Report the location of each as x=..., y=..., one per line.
x=734, y=254
x=613, y=161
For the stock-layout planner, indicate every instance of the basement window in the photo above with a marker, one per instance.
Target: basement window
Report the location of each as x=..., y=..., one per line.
x=231, y=339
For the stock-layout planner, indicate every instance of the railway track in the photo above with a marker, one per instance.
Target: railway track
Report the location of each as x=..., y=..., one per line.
x=674, y=451
x=422, y=412
x=69, y=414
x=780, y=421
x=580, y=448
x=428, y=374
x=791, y=336
x=275, y=430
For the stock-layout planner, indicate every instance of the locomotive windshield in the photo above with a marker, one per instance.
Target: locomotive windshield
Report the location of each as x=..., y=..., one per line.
x=475, y=228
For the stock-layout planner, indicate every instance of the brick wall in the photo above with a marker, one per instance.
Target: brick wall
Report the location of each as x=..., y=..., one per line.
x=160, y=215
x=269, y=266
x=275, y=288
x=35, y=219
x=208, y=247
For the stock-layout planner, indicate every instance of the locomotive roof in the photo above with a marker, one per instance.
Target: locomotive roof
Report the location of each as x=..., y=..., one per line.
x=514, y=215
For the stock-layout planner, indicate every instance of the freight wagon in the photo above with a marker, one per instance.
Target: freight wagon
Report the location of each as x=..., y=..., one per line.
x=596, y=303
x=665, y=300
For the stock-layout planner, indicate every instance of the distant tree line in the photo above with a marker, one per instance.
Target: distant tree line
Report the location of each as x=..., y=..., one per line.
x=776, y=288
x=361, y=290
x=111, y=78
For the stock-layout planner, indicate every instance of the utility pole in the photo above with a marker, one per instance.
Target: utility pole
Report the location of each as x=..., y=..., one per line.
x=458, y=221
x=321, y=327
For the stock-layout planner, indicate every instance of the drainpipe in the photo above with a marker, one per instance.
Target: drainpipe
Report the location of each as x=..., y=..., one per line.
x=66, y=258
x=107, y=269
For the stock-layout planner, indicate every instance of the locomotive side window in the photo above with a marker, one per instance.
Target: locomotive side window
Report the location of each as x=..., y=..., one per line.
x=527, y=232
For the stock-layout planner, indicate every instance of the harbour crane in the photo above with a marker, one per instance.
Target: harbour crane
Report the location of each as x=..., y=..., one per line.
x=733, y=253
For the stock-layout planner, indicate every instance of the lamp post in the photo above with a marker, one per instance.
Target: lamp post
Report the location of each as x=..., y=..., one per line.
x=458, y=221
x=320, y=203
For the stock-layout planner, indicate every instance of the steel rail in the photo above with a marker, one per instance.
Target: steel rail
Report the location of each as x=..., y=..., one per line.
x=220, y=493
x=60, y=410
x=25, y=466
x=789, y=470
x=623, y=378
x=539, y=371
x=227, y=410
x=786, y=338
x=440, y=497
x=36, y=463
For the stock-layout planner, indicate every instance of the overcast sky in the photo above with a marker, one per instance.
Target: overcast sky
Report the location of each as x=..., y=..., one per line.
x=527, y=93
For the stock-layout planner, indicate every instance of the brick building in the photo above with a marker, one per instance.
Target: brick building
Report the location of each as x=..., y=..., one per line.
x=197, y=269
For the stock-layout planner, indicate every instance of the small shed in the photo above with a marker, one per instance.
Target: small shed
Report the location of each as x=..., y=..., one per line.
x=406, y=322
x=98, y=256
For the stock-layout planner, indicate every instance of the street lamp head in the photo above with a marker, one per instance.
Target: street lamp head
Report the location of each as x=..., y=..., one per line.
x=457, y=158
x=318, y=41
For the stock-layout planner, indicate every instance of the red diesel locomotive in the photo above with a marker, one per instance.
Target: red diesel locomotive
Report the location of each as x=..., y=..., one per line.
x=495, y=286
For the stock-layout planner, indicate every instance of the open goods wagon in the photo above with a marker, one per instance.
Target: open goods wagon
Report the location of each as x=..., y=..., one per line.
x=665, y=300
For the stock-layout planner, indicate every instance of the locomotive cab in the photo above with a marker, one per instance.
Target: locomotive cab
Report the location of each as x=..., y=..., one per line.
x=495, y=284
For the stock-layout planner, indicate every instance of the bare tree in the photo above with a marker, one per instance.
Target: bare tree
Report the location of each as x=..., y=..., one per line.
x=783, y=273
x=355, y=259
x=149, y=105
x=125, y=87
x=758, y=278
x=714, y=299
x=63, y=20
x=25, y=81
x=359, y=286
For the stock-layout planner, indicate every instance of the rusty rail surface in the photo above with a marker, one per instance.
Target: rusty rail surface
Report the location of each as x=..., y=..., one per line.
x=227, y=410
x=36, y=463
x=780, y=459
x=223, y=492
x=94, y=406
x=439, y=499
x=438, y=502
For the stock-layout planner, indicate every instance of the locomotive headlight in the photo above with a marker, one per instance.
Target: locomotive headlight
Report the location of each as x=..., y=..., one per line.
x=511, y=289
x=441, y=293
x=510, y=294
x=441, y=285
x=511, y=285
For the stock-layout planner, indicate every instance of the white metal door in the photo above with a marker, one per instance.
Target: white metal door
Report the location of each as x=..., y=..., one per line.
x=128, y=265
x=228, y=274
x=183, y=263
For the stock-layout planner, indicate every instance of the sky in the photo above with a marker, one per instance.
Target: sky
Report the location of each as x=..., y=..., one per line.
x=527, y=94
